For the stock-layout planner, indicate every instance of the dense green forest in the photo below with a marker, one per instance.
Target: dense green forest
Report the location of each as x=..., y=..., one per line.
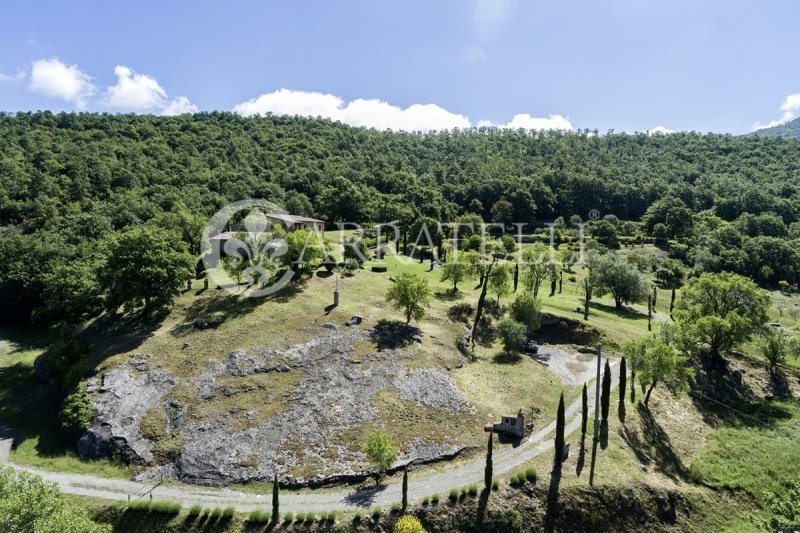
x=74, y=186
x=788, y=129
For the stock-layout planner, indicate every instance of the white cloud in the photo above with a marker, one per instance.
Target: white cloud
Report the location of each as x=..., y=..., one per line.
x=19, y=76
x=660, y=130
x=179, y=106
x=361, y=112
x=790, y=108
x=528, y=122
x=54, y=79
x=474, y=55
x=135, y=92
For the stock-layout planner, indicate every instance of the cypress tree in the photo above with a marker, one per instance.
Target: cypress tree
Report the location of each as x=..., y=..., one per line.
x=559, y=442
x=405, y=489
x=606, y=394
x=488, y=472
x=584, y=410
x=623, y=379
x=275, y=491
x=633, y=385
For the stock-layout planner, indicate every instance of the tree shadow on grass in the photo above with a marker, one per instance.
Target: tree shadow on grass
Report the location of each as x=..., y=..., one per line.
x=551, y=515
x=779, y=384
x=448, y=295
x=394, y=334
x=626, y=312
x=507, y=358
x=604, y=434
x=656, y=442
x=723, y=397
x=581, y=457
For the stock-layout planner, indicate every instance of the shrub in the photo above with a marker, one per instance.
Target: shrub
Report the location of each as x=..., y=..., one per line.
x=309, y=517
x=453, y=495
x=351, y=265
x=525, y=309
x=408, y=524
x=163, y=507
x=357, y=517
x=331, y=517
x=288, y=518
x=435, y=499
x=215, y=513
x=495, y=484
x=195, y=511
x=258, y=517
x=461, y=312
x=530, y=474
x=473, y=490
x=76, y=413
x=395, y=508
x=513, y=334
x=376, y=512
x=139, y=505
x=511, y=520
x=426, y=500
x=228, y=513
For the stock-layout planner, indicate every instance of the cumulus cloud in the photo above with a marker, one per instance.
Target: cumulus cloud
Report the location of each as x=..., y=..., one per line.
x=660, y=130
x=528, y=122
x=134, y=91
x=54, y=79
x=790, y=109
x=361, y=112
x=179, y=106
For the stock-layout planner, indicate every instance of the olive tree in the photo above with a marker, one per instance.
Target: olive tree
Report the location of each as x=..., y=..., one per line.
x=411, y=294
x=609, y=274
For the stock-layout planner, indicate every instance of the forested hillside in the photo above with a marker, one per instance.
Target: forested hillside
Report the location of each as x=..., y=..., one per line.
x=70, y=182
x=789, y=129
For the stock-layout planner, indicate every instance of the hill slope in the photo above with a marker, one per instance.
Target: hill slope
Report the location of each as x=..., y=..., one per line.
x=789, y=129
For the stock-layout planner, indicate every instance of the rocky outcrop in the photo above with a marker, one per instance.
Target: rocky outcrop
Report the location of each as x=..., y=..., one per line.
x=305, y=441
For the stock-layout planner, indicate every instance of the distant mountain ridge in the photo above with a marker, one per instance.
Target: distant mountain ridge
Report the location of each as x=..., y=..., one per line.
x=789, y=129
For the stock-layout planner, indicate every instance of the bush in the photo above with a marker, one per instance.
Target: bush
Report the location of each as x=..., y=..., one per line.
x=526, y=310
x=463, y=493
x=426, y=500
x=330, y=517
x=376, y=512
x=228, y=513
x=357, y=517
x=513, y=334
x=76, y=413
x=215, y=513
x=139, y=505
x=453, y=495
x=408, y=524
x=309, y=518
x=258, y=517
x=495, y=484
x=288, y=518
x=195, y=510
x=395, y=508
x=511, y=521
x=473, y=490
x=163, y=507
x=351, y=266
x=435, y=499
x=530, y=474
x=461, y=312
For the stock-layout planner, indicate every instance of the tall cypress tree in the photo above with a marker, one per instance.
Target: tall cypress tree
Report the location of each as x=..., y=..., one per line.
x=623, y=380
x=488, y=471
x=605, y=399
x=405, y=489
x=275, y=492
x=559, y=442
x=584, y=410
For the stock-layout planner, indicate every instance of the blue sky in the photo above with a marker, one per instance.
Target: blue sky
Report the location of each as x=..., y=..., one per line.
x=633, y=65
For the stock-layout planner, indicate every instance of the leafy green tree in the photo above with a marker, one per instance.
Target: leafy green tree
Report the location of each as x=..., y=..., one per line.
x=426, y=232
x=559, y=440
x=669, y=275
x=381, y=451
x=76, y=412
x=717, y=312
x=29, y=504
x=609, y=274
x=508, y=243
x=411, y=293
x=146, y=266
x=537, y=267
x=657, y=361
x=526, y=309
x=513, y=334
x=304, y=250
x=605, y=396
x=455, y=269
x=71, y=291
x=777, y=346
x=502, y=211
x=500, y=280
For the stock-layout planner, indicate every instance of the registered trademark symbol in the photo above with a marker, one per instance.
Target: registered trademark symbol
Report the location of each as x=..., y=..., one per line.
x=594, y=214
